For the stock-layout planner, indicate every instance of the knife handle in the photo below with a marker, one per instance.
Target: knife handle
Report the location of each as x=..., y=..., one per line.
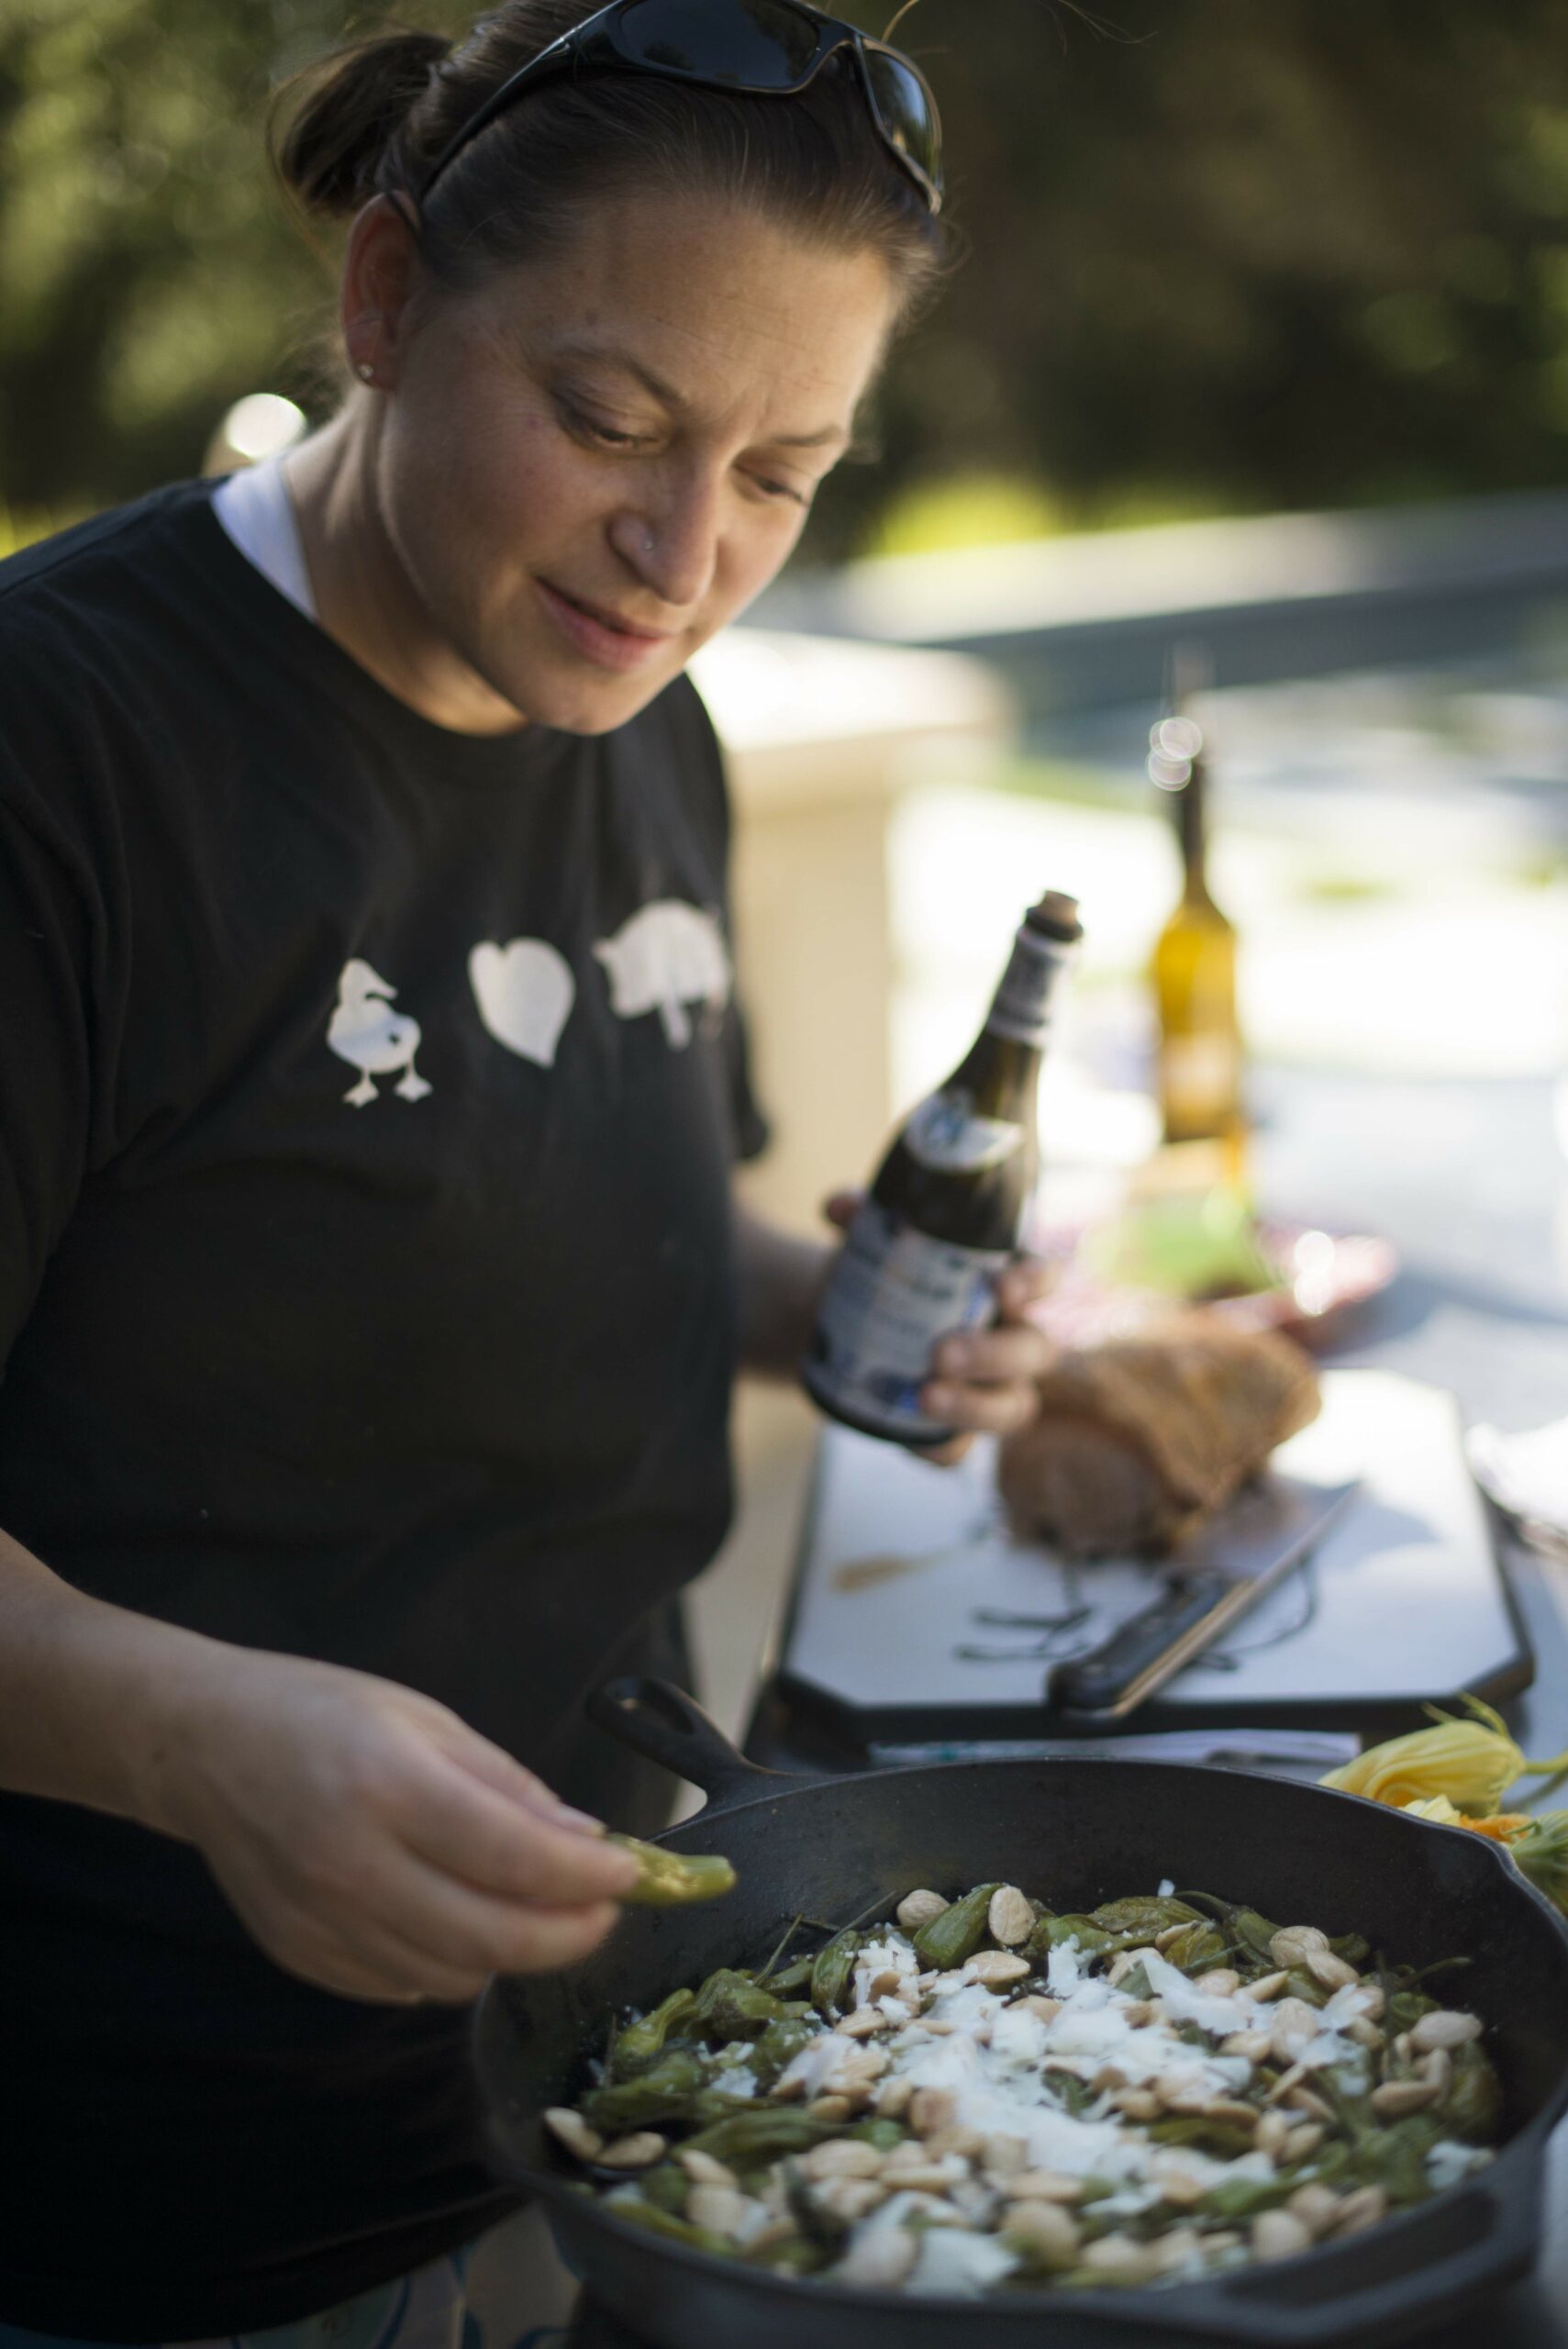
x=1145, y=1650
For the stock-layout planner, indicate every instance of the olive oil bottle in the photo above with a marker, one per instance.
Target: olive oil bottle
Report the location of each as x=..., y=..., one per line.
x=1194, y=973
x=945, y=1207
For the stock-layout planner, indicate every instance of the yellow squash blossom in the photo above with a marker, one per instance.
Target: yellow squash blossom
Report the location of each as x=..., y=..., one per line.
x=1472, y=1763
x=1501, y=1826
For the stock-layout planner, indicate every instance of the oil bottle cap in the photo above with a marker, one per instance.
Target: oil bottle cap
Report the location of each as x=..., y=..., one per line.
x=1056, y=916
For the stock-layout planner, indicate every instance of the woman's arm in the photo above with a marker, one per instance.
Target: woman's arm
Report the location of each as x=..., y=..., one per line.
x=367, y=1840
x=982, y=1382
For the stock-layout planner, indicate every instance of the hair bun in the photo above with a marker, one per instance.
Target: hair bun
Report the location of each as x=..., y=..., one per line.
x=342, y=116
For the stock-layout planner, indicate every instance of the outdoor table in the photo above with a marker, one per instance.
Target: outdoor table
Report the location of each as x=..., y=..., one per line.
x=1469, y=1181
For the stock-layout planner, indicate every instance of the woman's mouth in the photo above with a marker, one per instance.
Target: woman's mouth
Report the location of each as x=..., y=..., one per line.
x=598, y=635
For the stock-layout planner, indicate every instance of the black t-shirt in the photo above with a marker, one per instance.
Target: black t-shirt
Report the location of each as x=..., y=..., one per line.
x=368, y=1096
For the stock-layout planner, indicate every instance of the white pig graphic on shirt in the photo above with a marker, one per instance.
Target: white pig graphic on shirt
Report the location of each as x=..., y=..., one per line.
x=364, y=1031
x=668, y=955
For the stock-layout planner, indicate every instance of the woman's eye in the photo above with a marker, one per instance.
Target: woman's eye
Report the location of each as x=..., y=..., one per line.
x=590, y=427
x=781, y=489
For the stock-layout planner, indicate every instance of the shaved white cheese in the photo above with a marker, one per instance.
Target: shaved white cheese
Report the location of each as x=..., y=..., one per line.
x=1167, y=1887
x=892, y=1955
x=738, y=2080
x=1448, y=2161
x=954, y=2261
x=1064, y=1968
x=1184, y=2002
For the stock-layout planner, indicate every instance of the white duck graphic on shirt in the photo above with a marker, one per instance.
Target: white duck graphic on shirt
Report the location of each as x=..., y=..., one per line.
x=666, y=956
x=363, y=1032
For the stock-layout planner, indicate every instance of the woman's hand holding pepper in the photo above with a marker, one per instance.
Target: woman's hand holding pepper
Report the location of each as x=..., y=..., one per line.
x=369, y=1842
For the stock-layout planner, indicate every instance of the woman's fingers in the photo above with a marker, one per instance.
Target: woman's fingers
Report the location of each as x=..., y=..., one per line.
x=1021, y=1287
x=485, y=1840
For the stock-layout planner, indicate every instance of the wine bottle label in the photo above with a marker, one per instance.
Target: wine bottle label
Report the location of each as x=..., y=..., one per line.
x=946, y=1134
x=1023, y=1001
x=893, y=1293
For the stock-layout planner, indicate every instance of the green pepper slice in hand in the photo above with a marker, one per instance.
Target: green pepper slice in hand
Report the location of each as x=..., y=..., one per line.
x=672, y=1879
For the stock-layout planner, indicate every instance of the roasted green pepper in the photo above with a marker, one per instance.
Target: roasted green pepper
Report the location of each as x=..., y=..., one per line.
x=731, y=2006
x=672, y=1879
x=759, y=2136
x=639, y=2045
x=664, y=2092
x=831, y=1971
x=951, y=1939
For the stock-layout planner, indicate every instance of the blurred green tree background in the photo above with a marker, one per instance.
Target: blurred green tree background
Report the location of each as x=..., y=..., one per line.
x=1221, y=257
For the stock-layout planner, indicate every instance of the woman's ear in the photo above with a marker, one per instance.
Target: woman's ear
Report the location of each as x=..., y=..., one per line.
x=379, y=274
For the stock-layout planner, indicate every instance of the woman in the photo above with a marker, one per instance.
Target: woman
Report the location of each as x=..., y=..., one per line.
x=369, y=1089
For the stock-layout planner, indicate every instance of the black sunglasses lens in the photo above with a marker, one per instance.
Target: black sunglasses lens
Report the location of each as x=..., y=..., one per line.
x=905, y=111
x=756, y=44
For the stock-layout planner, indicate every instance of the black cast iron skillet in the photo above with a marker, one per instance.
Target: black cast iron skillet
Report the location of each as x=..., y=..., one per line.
x=1075, y=1832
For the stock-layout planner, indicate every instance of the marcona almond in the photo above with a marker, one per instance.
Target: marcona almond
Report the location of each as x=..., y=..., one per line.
x=1119, y=2256
x=640, y=2151
x=1435, y=2067
x=996, y=1967
x=1364, y=2031
x=830, y=2108
x=703, y=2170
x=1278, y=2234
x=1272, y=2130
x=918, y=1909
x=1395, y=2099
x=1292, y=2030
x=853, y=2198
x=1267, y=1986
x=1315, y=2206
x=1252, y=2044
x=1443, y=2029
x=891, y=2098
x=1010, y=1917
x=1334, y=1972
x=970, y=2143
x=1220, y=1982
x=864, y=2023
x=1005, y=2157
x=1180, y=2189
x=1305, y=2099
x=721, y=2208
x=930, y=2109
x=572, y=2131
x=842, y=2157
x=888, y=1984
x=1296, y=1943
x=1044, y=2186
x=1303, y=2142
x=1360, y=2209
x=1043, y=2010
x=1137, y=2104
x=1045, y=2231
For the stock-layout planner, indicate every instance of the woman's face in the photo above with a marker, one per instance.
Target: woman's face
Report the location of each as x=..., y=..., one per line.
x=589, y=464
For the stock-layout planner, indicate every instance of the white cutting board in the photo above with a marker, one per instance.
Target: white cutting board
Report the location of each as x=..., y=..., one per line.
x=1404, y=1601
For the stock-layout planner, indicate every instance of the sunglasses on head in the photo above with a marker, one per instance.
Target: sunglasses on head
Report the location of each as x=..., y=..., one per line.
x=755, y=48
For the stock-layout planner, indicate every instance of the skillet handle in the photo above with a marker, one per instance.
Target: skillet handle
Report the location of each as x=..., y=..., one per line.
x=663, y=1723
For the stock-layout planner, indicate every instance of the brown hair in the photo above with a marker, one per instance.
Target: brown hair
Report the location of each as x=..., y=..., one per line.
x=372, y=119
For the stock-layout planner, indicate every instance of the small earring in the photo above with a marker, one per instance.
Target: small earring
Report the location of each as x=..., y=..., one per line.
x=365, y=372
x=650, y=543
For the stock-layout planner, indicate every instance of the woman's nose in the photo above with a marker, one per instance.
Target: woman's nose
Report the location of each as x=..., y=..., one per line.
x=672, y=544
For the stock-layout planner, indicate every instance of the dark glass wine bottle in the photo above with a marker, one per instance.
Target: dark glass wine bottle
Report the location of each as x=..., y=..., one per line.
x=945, y=1209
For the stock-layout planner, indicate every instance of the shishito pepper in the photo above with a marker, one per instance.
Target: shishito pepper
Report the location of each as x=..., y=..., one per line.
x=730, y=2005
x=639, y=2045
x=952, y=1938
x=830, y=1972
x=664, y=2092
x=672, y=1879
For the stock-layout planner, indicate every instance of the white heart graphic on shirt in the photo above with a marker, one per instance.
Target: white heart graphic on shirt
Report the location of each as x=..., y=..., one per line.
x=525, y=991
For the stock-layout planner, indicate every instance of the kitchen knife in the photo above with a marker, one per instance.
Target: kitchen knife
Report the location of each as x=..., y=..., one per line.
x=1214, y=1578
